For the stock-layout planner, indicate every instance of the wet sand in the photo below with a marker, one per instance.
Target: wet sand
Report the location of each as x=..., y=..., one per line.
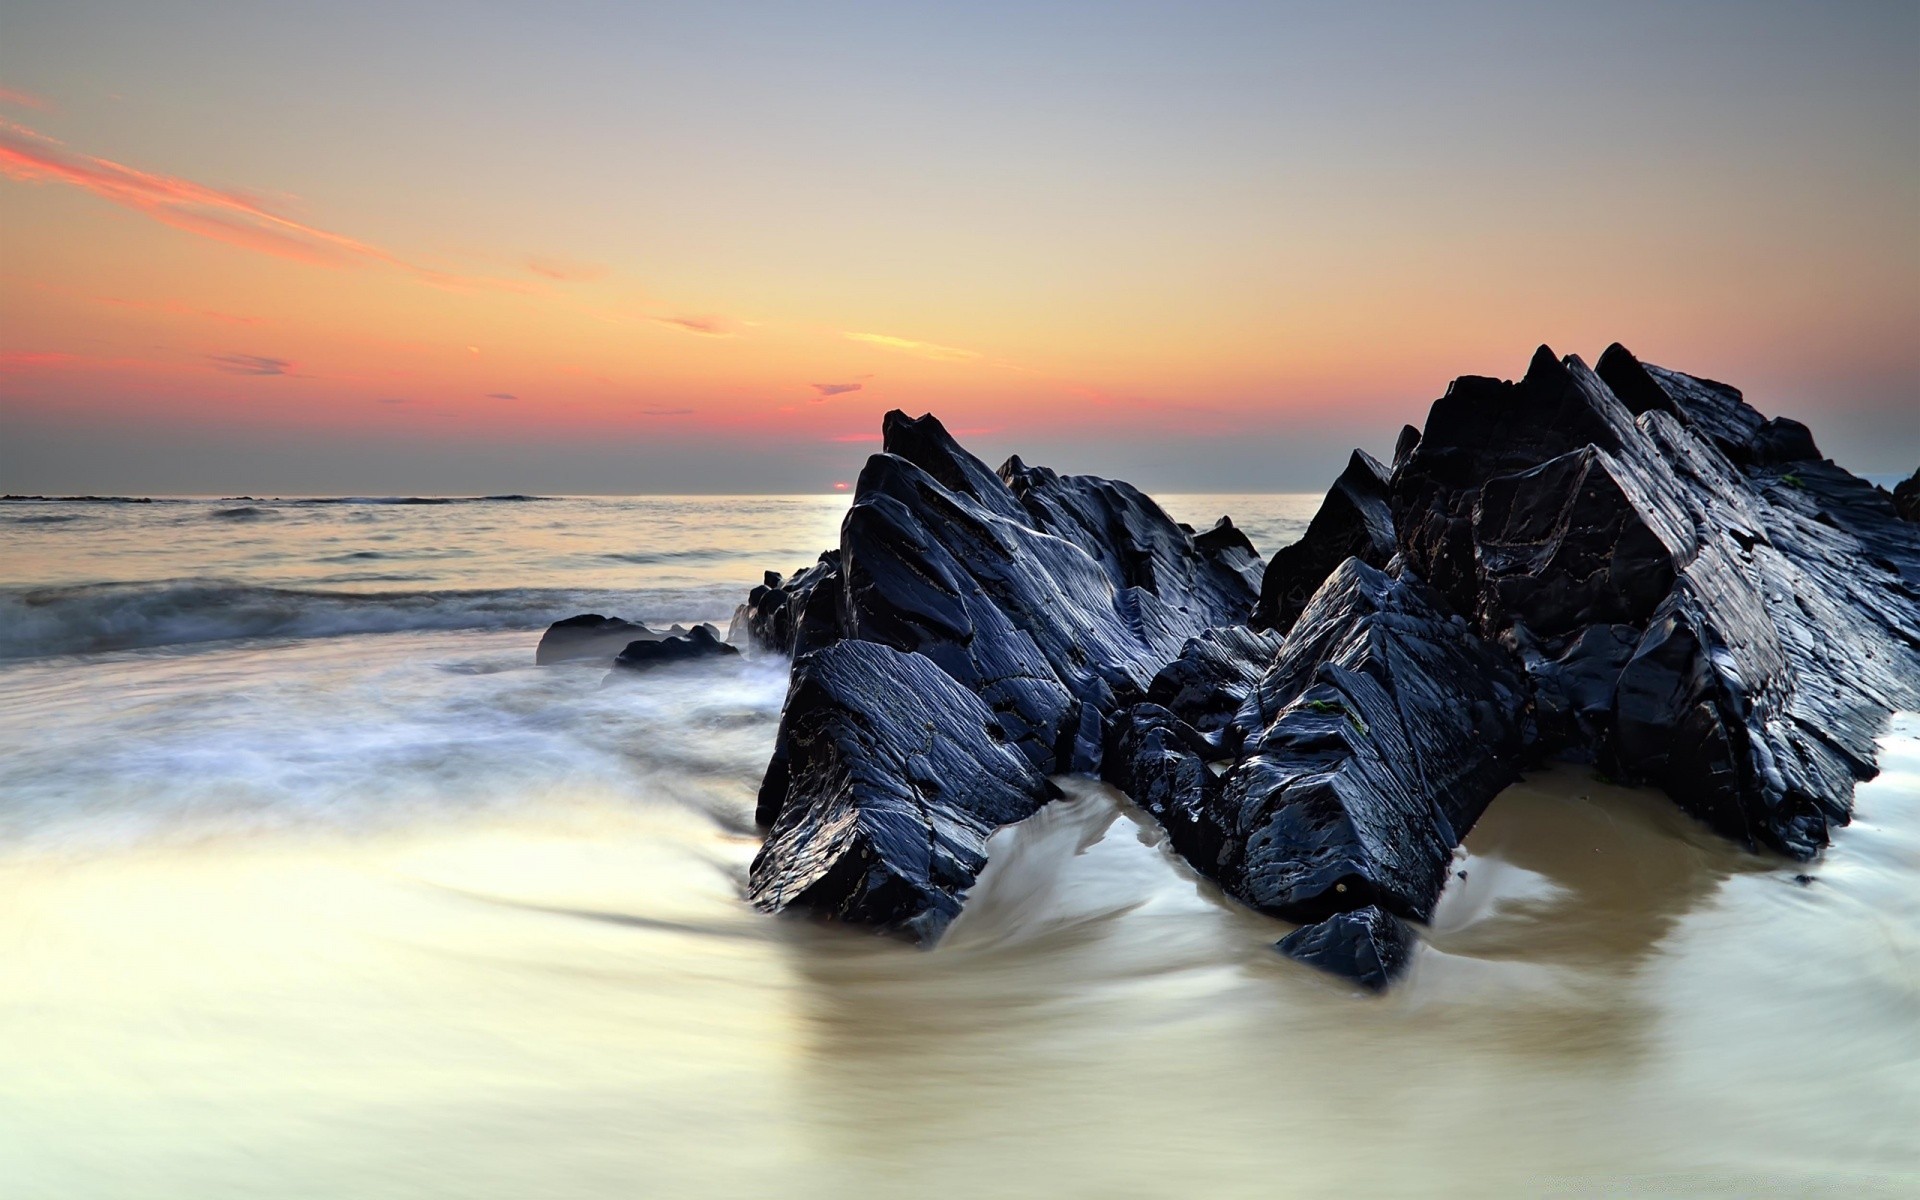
x=572, y=1000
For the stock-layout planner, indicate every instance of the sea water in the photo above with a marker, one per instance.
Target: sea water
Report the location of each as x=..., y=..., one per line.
x=312, y=885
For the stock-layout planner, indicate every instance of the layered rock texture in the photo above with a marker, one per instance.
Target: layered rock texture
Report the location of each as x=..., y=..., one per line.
x=1048, y=602
x=1623, y=564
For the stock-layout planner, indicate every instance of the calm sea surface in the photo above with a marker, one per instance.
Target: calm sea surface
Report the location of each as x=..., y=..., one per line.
x=311, y=885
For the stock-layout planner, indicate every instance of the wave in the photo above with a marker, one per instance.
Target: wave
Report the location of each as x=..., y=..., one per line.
x=297, y=501
x=47, y=621
x=246, y=512
x=14, y=499
x=512, y=498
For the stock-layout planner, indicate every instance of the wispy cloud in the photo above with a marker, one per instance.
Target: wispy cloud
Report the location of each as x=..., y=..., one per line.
x=15, y=98
x=930, y=350
x=705, y=326
x=656, y=410
x=250, y=364
x=833, y=389
x=176, y=308
x=223, y=215
x=563, y=271
x=501, y=396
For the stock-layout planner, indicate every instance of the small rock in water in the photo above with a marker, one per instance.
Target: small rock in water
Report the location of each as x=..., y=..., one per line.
x=1367, y=945
x=702, y=641
x=588, y=636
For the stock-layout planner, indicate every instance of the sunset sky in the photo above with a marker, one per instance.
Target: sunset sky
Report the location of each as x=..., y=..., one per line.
x=572, y=247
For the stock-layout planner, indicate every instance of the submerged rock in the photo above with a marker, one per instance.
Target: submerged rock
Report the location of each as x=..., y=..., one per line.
x=702, y=641
x=588, y=636
x=1367, y=945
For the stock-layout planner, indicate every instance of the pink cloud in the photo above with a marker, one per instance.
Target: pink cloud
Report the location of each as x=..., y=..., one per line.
x=220, y=214
x=563, y=271
x=705, y=326
x=16, y=98
x=250, y=364
x=834, y=389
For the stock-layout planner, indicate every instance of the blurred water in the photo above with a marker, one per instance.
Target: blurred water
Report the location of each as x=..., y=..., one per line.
x=301, y=901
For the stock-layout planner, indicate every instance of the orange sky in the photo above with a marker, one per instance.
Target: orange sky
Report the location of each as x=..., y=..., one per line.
x=707, y=250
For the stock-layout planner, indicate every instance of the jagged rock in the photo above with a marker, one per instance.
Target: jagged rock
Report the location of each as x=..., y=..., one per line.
x=702, y=641
x=588, y=636
x=1630, y=565
x=1906, y=497
x=1693, y=598
x=894, y=777
x=775, y=616
x=1354, y=521
x=1368, y=945
x=1051, y=599
x=1211, y=679
x=1366, y=751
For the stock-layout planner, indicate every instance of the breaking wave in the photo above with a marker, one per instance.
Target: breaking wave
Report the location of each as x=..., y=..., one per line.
x=36, y=622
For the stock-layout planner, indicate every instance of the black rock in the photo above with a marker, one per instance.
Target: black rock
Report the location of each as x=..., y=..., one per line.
x=1368, y=945
x=1692, y=599
x=1906, y=497
x=1050, y=600
x=588, y=636
x=1354, y=521
x=1206, y=685
x=702, y=641
x=775, y=616
x=1628, y=565
x=894, y=777
x=1364, y=753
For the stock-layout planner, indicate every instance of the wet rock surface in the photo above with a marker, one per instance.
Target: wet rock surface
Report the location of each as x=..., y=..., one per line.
x=1049, y=600
x=1354, y=521
x=1697, y=602
x=702, y=641
x=1363, y=753
x=1367, y=945
x=1906, y=497
x=1626, y=565
x=588, y=636
x=892, y=777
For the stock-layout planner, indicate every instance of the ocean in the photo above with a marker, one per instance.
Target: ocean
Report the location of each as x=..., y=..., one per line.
x=313, y=885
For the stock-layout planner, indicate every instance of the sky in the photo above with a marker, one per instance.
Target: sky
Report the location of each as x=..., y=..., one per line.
x=460, y=248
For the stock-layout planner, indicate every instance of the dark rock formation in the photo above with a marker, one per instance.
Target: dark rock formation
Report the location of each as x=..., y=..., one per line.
x=775, y=616
x=1625, y=564
x=895, y=775
x=1352, y=768
x=1049, y=600
x=702, y=641
x=1354, y=521
x=1906, y=497
x=1694, y=599
x=1367, y=945
x=588, y=636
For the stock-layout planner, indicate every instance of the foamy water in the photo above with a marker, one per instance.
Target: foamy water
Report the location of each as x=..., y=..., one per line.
x=312, y=885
